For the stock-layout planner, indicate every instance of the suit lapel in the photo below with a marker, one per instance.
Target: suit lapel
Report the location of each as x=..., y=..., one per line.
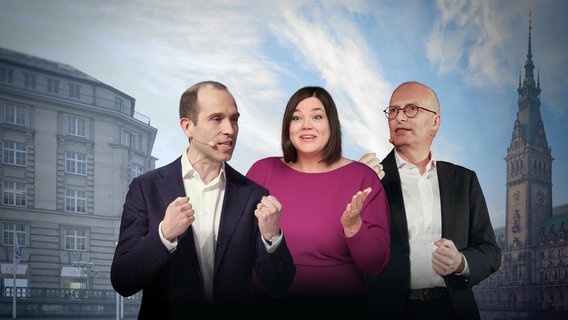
x=447, y=196
x=168, y=192
x=234, y=204
x=391, y=183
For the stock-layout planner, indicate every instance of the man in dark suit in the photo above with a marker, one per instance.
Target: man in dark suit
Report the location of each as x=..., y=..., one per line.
x=194, y=231
x=442, y=241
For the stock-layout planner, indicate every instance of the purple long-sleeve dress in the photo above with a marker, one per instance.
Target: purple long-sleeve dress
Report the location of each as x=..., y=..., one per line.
x=327, y=263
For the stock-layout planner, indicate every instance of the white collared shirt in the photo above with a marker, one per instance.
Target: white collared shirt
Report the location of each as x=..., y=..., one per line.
x=206, y=224
x=207, y=201
x=421, y=194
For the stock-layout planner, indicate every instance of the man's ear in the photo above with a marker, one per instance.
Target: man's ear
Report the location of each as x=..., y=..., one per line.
x=436, y=124
x=187, y=126
x=437, y=121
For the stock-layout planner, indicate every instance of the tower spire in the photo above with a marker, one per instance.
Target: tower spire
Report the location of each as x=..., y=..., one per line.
x=529, y=89
x=529, y=65
x=529, y=163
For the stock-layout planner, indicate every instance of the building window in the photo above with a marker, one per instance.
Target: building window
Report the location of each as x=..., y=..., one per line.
x=77, y=127
x=30, y=80
x=11, y=229
x=6, y=75
x=118, y=104
x=74, y=91
x=75, y=239
x=128, y=139
x=76, y=163
x=75, y=201
x=137, y=170
x=14, y=193
x=15, y=114
x=14, y=153
x=53, y=86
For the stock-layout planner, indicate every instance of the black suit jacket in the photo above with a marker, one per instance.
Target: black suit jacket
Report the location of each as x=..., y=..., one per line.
x=465, y=221
x=171, y=283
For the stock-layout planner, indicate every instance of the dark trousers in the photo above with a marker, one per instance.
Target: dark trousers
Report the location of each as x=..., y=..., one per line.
x=433, y=303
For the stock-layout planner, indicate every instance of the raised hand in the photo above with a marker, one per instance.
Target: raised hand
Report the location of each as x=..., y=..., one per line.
x=351, y=218
x=446, y=259
x=179, y=216
x=268, y=212
x=374, y=163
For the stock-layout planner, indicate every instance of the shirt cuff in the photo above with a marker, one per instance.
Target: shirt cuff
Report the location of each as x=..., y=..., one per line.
x=272, y=245
x=465, y=271
x=171, y=246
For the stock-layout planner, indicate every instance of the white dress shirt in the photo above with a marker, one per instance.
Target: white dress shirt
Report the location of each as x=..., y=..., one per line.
x=421, y=194
x=207, y=202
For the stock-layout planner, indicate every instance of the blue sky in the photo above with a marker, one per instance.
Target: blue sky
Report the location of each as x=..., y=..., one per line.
x=470, y=52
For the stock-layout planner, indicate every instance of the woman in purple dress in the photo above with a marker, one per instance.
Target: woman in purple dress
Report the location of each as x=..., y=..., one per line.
x=334, y=210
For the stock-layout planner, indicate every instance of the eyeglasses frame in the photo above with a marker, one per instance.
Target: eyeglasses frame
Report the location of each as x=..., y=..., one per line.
x=387, y=109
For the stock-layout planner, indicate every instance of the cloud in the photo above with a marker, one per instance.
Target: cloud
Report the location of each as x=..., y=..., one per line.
x=471, y=52
x=328, y=42
x=186, y=44
x=481, y=40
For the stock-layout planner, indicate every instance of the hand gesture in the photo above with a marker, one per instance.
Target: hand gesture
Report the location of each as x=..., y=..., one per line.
x=374, y=163
x=351, y=218
x=179, y=216
x=446, y=259
x=268, y=212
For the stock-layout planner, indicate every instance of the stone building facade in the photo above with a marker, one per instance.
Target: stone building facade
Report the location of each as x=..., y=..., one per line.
x=71, y=145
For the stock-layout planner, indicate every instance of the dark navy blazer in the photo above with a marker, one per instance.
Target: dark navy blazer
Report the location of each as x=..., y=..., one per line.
x=171, y=283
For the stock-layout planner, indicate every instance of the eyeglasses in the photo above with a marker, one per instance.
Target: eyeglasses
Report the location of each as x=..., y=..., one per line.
x=410, y=111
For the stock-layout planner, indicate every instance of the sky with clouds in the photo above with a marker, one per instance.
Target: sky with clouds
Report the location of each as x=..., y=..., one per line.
x=471, y=52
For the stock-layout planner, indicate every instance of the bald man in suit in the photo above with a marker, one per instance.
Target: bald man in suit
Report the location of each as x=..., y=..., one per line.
x=442, y=241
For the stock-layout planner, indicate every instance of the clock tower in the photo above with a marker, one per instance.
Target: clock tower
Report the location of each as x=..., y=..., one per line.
x=529, y=177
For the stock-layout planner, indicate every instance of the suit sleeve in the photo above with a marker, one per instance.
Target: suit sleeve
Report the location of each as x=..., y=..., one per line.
x=481, y=250
x=139, y=251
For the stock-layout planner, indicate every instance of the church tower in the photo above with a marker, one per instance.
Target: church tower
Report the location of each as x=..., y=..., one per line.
x=529, y=177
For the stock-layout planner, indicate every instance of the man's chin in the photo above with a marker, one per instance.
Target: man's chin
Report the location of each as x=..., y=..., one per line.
x=227, y=156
